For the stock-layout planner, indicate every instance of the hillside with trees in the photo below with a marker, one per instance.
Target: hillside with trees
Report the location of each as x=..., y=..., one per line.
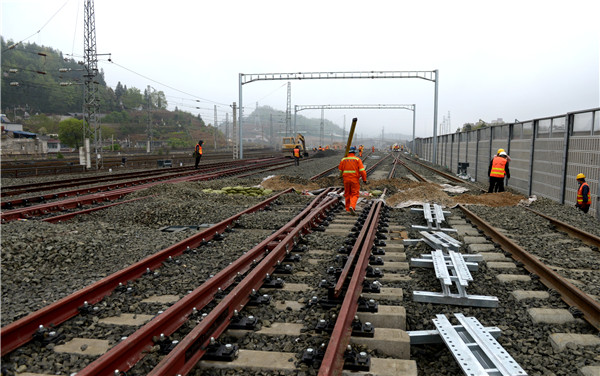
x=40, y=87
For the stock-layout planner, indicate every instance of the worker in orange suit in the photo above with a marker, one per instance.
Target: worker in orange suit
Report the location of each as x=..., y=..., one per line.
x=497, y=170
x=372, y=149
x=360, y=150
x=352, y=170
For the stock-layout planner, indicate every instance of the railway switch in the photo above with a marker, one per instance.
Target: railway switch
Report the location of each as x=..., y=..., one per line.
x=378, y=251
x=314, y=357
x=273, y=283
x=372, y=287
x=356, y=361
x=243, y=322
x=87, y=309
x=367, y=305
x=257, y=299
x=360, y=329
x=374, y=272
x=45, y=336
x=225, y=353
x=374, y=260
x=292, y=258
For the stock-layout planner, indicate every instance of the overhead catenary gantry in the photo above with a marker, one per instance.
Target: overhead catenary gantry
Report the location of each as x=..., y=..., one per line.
x=432, y=76
x=409, y=107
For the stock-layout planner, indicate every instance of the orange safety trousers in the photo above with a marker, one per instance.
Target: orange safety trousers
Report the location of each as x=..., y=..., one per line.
x=351, y=193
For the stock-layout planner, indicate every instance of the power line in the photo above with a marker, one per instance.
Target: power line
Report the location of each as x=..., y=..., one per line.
x=37, y=32
x=165, y=85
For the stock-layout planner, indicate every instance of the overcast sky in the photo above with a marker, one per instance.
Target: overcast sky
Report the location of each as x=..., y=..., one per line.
x=496, y=59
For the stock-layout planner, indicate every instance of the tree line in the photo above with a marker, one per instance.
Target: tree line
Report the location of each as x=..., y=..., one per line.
x=39, y=79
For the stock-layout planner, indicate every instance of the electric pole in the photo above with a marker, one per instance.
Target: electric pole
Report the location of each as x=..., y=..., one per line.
x=90, y=96
x=235, y=133
x=288, y=111
x=216, y=129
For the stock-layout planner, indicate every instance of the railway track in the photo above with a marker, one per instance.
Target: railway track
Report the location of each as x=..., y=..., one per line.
x=113, y=191
x=309, y=296
x=70, y=165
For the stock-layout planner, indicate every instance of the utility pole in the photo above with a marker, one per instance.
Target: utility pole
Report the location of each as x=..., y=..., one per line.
x=90, y=96
x=149, y=125
x=216, y=129
x=344, y=130
x=271, y=130
x=235, y=134
x=288, y=111
x=322, y=130
x=227, y=130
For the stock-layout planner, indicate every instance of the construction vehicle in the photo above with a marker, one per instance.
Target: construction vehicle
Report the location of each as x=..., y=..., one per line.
x=289, y=143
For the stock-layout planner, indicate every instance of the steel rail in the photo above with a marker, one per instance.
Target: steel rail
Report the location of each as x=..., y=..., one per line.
x=321, y=174
x=569, y=293
x=66, y=217
x=354, y=253
x=191, y=349
x=40, y=167
x=333, y=360
x=329, y=170
x=393, y=169
x=413, y=172
x=37, y=187
x=586, y=237
x=21, y=331
x=372, y=168
x=14, y=190
x=101, y=188
x=448, y=176
x=128, y=352
x=27, y=212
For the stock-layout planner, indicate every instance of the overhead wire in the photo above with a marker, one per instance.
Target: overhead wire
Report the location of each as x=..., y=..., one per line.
x=165, y=85
x=37, y=32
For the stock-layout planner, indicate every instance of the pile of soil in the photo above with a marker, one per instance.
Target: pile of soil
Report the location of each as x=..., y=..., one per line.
x=280, y=183
x=402, y=190
x=490, y=199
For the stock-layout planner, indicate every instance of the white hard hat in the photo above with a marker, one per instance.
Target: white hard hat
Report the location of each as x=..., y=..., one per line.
x=502, y=153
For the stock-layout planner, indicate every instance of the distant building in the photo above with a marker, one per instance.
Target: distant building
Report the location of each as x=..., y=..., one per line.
x=8, y=125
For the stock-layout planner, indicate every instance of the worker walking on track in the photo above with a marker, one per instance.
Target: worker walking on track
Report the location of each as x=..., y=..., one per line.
x=352, y=170
x=360, y=150
x=198, y=152
x=297, y=155
x=584, y=199
x=497, y=170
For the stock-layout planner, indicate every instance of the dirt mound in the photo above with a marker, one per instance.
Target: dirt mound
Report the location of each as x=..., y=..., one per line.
x=401, y=191
x=280, y=183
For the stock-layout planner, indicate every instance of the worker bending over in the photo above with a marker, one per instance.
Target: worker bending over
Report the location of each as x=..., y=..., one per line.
x=352, y=170
x=497, y=170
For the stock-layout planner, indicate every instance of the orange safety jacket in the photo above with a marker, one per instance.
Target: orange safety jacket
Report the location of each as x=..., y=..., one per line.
x=580, y=197
x=352, y=168
x=296, y=152
x=199, y=149
x=498, y=165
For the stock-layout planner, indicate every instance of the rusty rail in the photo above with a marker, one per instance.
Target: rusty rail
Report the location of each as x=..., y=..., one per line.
x=333, y=360
x=191, y=349
x=569, y=293
x=21, y=331
x=584, y=236
x=114, y=191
